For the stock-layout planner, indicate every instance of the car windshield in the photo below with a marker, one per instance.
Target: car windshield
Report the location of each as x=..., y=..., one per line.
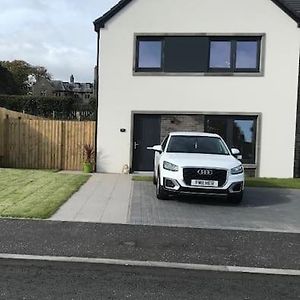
x=197, y=144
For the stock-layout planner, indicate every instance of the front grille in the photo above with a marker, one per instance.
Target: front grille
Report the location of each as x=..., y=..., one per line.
x=193, y=173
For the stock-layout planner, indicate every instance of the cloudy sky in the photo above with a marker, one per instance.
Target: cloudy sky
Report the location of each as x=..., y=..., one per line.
x=57, y=34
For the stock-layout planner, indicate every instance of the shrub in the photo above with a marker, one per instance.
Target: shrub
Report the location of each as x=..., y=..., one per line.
x=48, y=107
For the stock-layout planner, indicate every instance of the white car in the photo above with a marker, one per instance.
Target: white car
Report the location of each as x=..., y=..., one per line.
x=192, y=163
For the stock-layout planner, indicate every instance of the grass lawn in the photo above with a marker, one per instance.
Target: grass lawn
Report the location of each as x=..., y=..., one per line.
x=291, y=183
x=35, y=194
x=253, y=182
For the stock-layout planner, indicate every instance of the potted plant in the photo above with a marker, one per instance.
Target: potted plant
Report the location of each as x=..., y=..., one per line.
x=88, y=158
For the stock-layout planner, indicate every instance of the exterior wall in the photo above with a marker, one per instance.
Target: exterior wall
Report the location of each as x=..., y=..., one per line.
x=171, y=123
x=273, y=95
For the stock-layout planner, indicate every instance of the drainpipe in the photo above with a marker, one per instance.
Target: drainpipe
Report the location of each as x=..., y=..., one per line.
x=297, y=147
x=97, y=95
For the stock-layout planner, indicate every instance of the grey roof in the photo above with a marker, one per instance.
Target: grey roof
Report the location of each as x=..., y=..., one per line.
x=77, y=87
x=57, y=85
x=290, y=7
x=293, y=5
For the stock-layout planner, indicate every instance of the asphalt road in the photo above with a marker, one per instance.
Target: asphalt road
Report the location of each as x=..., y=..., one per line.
x=148, y=243
x=40, y=280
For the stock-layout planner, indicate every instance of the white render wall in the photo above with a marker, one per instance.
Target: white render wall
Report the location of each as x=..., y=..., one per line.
x=274, y=95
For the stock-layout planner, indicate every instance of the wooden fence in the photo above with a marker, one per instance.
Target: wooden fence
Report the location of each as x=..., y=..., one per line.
x=5, y=113
x=44, y=144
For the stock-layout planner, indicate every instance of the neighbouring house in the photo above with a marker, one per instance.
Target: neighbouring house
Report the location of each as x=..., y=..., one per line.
x=44, y=87
x=228, y=67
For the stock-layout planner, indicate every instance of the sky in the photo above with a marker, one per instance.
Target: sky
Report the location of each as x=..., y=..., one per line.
x=56, y=34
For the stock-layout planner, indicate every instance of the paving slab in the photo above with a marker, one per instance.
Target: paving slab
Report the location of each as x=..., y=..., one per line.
x=104, y=198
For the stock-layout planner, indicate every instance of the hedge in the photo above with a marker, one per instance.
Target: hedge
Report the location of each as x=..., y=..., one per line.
x=61, y=107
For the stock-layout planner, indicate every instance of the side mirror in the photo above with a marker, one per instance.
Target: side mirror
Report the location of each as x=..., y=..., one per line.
x=157, y=148
x=236, y=153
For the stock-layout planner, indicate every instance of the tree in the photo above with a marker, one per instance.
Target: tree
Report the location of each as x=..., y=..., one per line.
x=8, y=85
x=40, y=72
x=22, y=73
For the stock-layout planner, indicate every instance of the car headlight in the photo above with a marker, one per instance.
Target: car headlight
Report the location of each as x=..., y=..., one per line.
x=170, y=167
x=237, y=170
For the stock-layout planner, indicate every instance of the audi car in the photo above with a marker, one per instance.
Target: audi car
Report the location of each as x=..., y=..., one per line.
x=190, y=163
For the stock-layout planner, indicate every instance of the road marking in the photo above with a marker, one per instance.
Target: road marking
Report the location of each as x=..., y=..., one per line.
x=153, y=264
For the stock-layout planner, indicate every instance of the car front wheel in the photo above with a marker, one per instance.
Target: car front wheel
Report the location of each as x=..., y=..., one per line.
x=161, y=194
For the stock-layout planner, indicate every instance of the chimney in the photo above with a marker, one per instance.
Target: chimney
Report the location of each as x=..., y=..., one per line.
x=72, y=80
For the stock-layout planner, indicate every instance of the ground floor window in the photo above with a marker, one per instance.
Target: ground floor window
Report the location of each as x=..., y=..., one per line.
x=238, y=132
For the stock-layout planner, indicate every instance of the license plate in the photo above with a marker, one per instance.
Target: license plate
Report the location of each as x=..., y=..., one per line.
x=205, y=183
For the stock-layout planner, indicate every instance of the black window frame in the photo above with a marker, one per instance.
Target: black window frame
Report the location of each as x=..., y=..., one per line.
x=229, y=132
x=213, y=71
x=137, y=53
x=234, y=40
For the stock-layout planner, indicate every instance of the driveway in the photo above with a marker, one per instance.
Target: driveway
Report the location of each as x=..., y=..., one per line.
x=262, y=209
x=104, y=198
x=116, y=199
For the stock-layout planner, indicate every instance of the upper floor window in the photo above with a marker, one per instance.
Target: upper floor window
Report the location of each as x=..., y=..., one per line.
x=198, y=54
x=220, y=55
x=149, y=54
x=235, y=55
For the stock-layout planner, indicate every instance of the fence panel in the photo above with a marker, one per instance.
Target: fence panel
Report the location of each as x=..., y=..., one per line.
x=1, y=133
x=45, y=144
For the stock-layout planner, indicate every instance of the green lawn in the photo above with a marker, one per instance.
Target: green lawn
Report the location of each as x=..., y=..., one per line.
x=291, y=183
x=252, y=182
x=35, y=194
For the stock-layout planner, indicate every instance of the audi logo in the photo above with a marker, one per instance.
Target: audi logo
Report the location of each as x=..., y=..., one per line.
x=205, y=172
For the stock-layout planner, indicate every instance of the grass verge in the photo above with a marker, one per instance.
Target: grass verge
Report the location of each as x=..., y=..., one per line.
x=35, y=194
x=291, y=183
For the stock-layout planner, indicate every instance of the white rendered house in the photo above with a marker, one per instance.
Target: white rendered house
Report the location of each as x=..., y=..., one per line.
x=228, y=67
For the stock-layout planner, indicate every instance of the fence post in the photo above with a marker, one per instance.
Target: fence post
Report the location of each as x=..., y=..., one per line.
x=6, y=142
x=62, y=146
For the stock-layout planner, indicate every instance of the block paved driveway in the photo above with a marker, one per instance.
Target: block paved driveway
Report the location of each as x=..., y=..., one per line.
x=262, y=209
x=117, y=199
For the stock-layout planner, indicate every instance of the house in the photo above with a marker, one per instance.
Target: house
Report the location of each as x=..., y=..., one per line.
x=229, y=67
x=44, y=87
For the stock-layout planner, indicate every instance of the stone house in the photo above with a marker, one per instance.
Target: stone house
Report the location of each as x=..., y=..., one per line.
x=56, y=88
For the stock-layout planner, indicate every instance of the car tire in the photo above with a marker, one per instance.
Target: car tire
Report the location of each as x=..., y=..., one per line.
x=161, y=194
x=236, y=198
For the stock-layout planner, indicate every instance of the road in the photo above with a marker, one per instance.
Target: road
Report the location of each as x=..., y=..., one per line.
x=40, y=280
x=151, y=243
x=20, y=279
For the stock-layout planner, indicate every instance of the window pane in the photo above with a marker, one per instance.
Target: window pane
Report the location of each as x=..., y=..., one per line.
x=218, y=126
x=244, y=139
x=246, y=55
x=237, y=133
x=196, y=144
x=150, y=54
x=220, y=54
